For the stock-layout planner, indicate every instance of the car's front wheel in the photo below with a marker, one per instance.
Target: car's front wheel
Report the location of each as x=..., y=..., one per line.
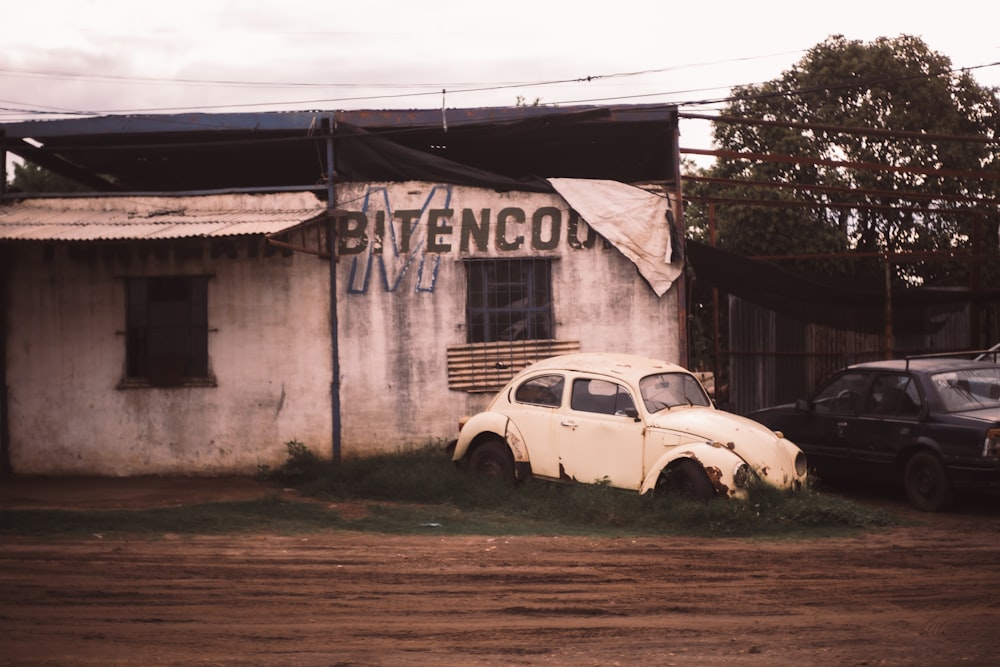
x=686, y=479
x=927, y=485
x=493, y=459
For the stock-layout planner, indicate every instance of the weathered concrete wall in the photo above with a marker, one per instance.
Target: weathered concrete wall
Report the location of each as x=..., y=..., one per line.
x=398, y=311
x=269, y=349
x=401, y=299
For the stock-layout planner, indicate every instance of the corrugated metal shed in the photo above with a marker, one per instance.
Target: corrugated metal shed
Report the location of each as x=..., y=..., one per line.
x=128, y=218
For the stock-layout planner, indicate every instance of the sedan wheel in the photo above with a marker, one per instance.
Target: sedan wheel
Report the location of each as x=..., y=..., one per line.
x=927, y=485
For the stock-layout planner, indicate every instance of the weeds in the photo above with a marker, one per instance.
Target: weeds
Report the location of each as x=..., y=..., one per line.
x=421, y=490
x=427, y=476
x=301, y=463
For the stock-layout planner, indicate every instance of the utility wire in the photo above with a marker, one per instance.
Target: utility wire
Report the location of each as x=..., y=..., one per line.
x=458, y=89
x=435, y=86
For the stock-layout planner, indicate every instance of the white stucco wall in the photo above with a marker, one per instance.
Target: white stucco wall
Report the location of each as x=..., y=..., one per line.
x=269, y=348
x=393, y=333
x=269, y=343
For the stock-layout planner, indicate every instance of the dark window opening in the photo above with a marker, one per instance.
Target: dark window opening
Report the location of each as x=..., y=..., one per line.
x=167, y=331
x=545, y=390
x=603, y=397
x=509, y=299
x=894, y=396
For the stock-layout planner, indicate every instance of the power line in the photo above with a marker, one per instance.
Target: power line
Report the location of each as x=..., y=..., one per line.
x=844, y=129
x=435, y=86
x=432, y=89
x=457, y=89
x=862, y=166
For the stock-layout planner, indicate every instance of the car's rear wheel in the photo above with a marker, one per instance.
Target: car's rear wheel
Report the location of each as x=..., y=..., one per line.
x=493, y=459
x=927, y=485
x=688, y=480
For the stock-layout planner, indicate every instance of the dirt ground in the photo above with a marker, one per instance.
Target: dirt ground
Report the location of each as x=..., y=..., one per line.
x=927, y=593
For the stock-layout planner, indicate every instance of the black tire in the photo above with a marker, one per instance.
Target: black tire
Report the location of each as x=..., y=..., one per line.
x=493, y=459
x=687, y=479
x=926, y=481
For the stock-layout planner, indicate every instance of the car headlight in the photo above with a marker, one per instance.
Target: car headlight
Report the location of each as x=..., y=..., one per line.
x=742, y=475
x=992, y=445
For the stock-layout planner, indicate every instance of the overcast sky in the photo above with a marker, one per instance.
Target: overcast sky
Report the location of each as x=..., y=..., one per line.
x=128, y=56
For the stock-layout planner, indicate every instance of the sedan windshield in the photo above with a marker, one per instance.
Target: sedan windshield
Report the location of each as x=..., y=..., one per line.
x=668, y=390
x=968, y=389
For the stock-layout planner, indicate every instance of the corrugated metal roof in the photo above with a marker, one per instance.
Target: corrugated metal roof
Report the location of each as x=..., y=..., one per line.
x=127, y=218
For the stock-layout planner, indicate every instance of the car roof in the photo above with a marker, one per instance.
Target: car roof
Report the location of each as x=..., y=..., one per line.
x=924, y=364
x=627, y=366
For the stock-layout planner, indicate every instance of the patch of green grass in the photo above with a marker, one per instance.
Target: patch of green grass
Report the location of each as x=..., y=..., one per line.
x=266, y=515
x=427, y=477
x=422, y=492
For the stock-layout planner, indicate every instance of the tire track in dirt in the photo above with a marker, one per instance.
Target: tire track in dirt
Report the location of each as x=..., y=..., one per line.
x=914, y=595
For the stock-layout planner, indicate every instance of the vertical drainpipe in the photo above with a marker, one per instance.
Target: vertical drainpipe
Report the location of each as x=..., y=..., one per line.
x=5, y=470
x=3, y=162
x=682, y=333
x=331, y=235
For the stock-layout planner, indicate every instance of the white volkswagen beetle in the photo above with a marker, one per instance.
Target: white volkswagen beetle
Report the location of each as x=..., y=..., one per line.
x=627, y=421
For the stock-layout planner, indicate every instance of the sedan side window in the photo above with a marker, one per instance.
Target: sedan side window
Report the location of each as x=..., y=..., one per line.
x=544, y=390
x=842, y=395
x=893, y=396
x=603, y=397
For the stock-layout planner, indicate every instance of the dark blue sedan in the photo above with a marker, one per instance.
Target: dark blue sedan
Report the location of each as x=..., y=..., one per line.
x=931, y=425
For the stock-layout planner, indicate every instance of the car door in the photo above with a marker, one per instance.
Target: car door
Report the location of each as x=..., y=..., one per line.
x=888, y=422
x=822, y=430
x=599, y=435
x=534, y=413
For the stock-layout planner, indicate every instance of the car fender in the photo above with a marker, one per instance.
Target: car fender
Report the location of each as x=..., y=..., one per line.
x=772, y=458
x=718, y=461
x=490, y=424
x=924, y=443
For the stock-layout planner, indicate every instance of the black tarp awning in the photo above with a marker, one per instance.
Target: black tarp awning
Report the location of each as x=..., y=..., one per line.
x=361, y=156
x=504, y=147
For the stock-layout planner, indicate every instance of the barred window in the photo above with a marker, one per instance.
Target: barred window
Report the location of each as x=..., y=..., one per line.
x=166, y=338
x=508, y=299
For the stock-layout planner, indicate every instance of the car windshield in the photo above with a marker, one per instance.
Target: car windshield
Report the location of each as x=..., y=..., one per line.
x=969, y=389
x=667, y=390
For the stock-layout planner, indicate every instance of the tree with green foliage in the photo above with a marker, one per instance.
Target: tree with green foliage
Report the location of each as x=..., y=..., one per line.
x=894, y=151
x=29, y=177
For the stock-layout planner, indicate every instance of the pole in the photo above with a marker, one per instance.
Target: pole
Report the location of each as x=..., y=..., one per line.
x=888, y=306
x=716, y=347
x=331, y=204
x=678, y=221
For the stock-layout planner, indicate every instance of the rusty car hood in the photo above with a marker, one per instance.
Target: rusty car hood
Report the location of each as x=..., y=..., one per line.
x=763, y=449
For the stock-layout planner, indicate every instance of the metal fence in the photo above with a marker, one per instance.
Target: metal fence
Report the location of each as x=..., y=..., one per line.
x=774, y=358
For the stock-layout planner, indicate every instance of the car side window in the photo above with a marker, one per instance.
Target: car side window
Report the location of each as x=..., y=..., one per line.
x=842, y=395
x=603, y=397
x=544, y=390
x=893, y=395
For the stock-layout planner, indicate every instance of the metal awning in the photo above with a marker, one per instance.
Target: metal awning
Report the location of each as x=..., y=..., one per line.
x=157, y=217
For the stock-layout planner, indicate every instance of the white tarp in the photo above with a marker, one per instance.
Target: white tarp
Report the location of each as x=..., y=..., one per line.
x=630, y=218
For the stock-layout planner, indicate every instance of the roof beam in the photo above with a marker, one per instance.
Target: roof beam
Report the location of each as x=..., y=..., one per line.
x=57, y=165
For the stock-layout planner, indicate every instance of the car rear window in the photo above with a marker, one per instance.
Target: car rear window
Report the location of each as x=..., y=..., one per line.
x=970, y=389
